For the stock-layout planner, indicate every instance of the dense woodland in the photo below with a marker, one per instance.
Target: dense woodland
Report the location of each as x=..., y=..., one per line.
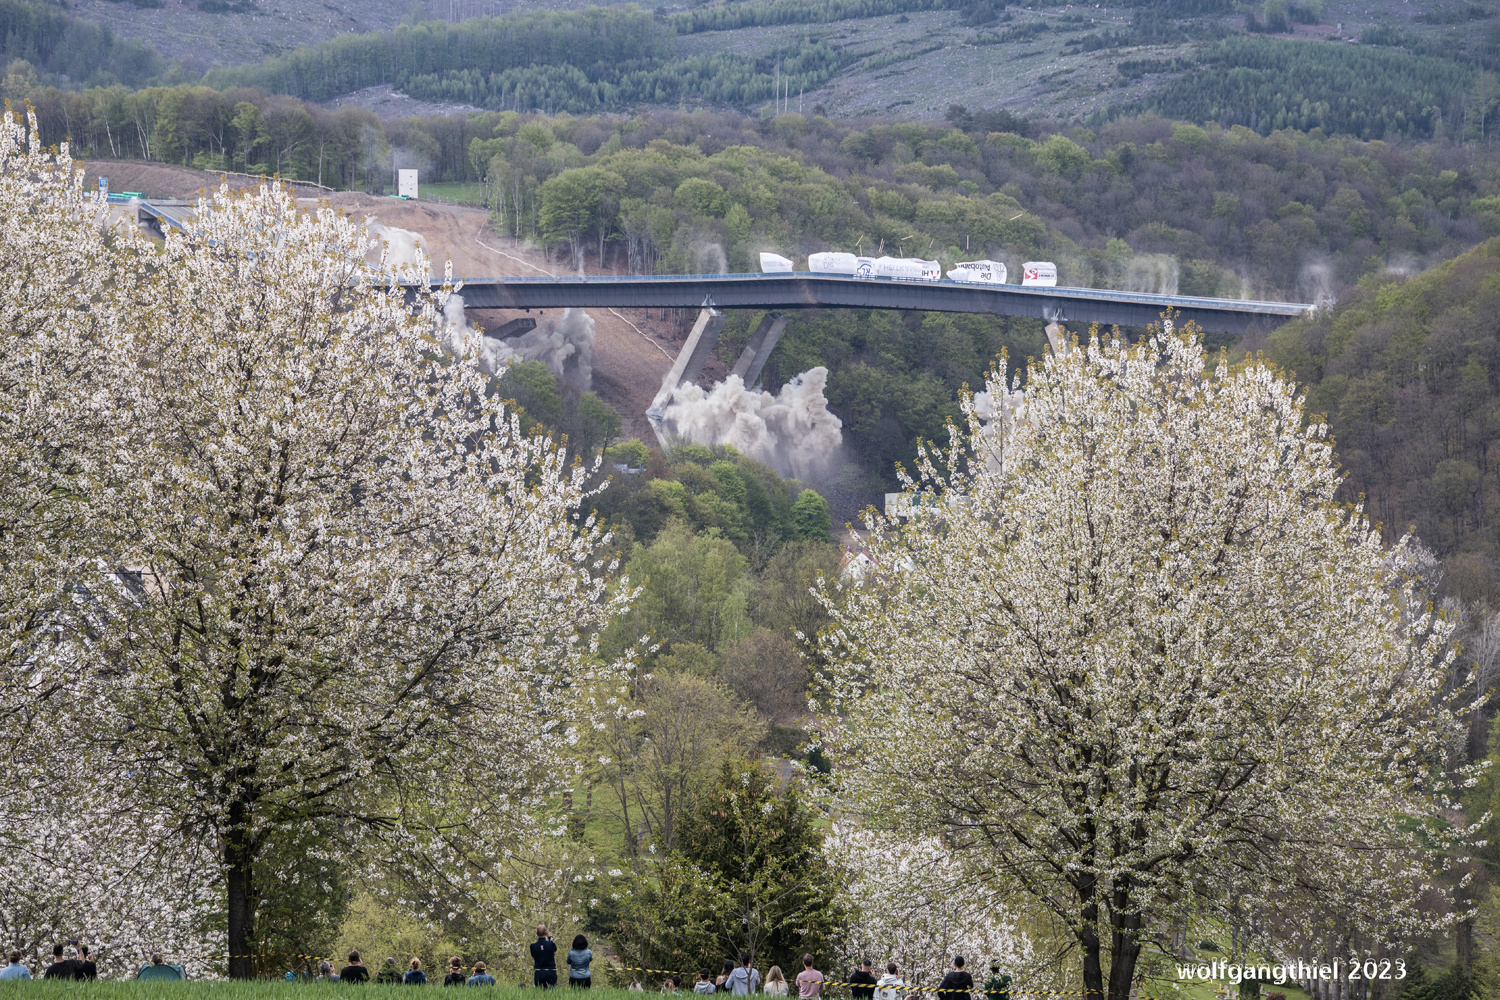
x=1141, y=202
x=1408, y=373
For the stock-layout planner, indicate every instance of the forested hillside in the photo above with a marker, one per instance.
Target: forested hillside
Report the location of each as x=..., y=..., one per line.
x=1428, y=76
x=1144, y=202
x=1408, y=373
x=48, y=40
x=1372, y=93
x=597, y=59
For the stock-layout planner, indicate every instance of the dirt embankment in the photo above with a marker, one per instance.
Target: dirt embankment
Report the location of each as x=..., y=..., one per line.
x=165, y=180
x=633, y=348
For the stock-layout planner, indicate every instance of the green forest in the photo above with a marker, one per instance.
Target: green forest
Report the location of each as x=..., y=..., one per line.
x=1397, y=83
x=1140, y=202
x=1405, y=371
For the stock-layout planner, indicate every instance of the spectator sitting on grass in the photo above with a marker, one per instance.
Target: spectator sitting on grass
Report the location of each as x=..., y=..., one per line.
x=355, y=971
x=415, y=976
x=705, y=983
x=481, y=977
x=743, y=980
x=160, y=970
x=455, y=976
x=388, y=972
x=15, y=970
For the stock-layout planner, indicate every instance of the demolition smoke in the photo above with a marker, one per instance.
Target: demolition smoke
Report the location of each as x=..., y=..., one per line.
x=793, y=432
x=564, y=344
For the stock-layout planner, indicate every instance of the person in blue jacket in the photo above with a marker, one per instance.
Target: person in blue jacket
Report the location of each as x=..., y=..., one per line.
x=578, y=963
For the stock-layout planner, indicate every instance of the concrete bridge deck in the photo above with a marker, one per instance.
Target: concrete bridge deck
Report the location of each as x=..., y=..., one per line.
x=802, y=290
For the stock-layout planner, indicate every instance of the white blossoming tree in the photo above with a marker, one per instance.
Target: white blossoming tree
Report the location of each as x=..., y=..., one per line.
x=76, y=859
x=1146, y=661
x=351, y=602
x=917, y=906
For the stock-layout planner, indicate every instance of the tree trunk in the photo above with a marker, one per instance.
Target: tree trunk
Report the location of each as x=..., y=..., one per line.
x=1088, y=938
x=1464, y=940
x=1125, y=944
x=239, y=859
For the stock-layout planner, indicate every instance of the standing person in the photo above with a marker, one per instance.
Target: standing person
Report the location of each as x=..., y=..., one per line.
x=544, y=959
x=862, y=982
x=888, y=986
x=481, y=976
x=15, y=970
x=809, y=980
x=579, y=957
x=997, y=987
x=355, y=971
x=744, y=980
x=414, y=975
x=957, y=984
x=455, y=976
x=775, y=982
x=86, y=967
x=61, y=968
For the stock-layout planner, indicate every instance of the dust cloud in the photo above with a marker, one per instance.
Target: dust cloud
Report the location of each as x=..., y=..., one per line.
x=793, y=431
x=1150, y=272
x=403, y=248
x=564, y=344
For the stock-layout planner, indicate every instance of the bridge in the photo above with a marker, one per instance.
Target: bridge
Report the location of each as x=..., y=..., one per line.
x=823, y=291
x=710, y=294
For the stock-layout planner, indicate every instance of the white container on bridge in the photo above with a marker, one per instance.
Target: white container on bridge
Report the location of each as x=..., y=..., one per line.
x=987, y=272
x=908, y=267
x=1039, y=272
x=774, y=263
x=835, y=262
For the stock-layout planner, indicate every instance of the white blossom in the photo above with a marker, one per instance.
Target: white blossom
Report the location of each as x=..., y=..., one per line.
x=1147, y=661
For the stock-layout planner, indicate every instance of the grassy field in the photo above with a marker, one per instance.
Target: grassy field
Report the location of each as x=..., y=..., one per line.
x=156, y=989
x=462, y=194
x=105, y=989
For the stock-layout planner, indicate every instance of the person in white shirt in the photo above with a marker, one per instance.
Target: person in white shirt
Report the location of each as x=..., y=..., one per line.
x=775, y=982
x=888, y=986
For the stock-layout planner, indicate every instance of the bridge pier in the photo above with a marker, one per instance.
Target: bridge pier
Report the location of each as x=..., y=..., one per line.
x=762, y=342
x=689, y=364
x=1052, y=312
